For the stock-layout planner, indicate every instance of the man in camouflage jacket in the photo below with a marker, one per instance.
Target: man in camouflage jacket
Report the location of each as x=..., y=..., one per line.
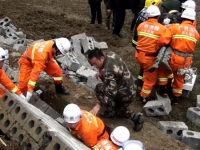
x=117, y=90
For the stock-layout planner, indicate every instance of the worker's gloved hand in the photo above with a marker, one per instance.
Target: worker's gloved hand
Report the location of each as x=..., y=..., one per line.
x=22, y=96
x=28, y=96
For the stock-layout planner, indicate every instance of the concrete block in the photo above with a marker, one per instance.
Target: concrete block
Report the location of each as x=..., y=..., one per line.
x=2, y=31
x=193, y=114
x=78, y=36
x=52, y=113
x=9, y=71
x=63, y=141
x=103, y=45
x=159, y=97
x=5, y=67
x=6, y=121
x=5, y=21
x=7, y=102
x=92, y=82
x=21, y=41
x=60, y=60
x=96, y=44
x=185, y=93
x=82, y=60
x=198, y=100
x=30, y=144
x=38, y=103
x=191, y=138
x=14, y=76
x=173, y=128
x=11, y=41
x=86, y=72
x=8, y=30
x=20, y=113
x=76, y=46
x=87, y=44
x=189, y=85
x=22, y=48
x=71, y=62
x=157, y=108
x=17, y=133
x=13, y=27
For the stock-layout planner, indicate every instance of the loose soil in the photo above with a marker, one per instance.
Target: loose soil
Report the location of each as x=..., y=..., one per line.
x=46, y=19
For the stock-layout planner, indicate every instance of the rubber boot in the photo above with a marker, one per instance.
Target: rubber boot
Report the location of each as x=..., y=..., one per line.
x=166, y=58
x=60, y=89
x=162, y=91
x=174, y=100
x=158, y=60
x=138, y=120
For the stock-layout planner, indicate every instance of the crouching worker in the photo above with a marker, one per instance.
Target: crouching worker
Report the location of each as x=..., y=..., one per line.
x=84, y=125
x=4, y=80
x=40, y=57
x=117, y=90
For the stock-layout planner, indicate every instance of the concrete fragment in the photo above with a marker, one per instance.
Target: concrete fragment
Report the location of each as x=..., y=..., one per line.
x=157, y=108
x=191, y=138
x=82, y=60
x=9, y=72
x=10, y=41
x=20, y=34
x=14, y=76
x=60, y=60
x=173, y=128
x=6, y=121
x=92, y=82
x=78, y=36
x=71, y=62
x=5, y=67
x=193, y=114
x=198, y=100
x=189, y=85
x=86, y=72
x=2, y=31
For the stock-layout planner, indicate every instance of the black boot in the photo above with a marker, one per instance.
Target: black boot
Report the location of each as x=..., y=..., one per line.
x=163, y=91
x=138, y=120
x=174, y=100
x=60, y=89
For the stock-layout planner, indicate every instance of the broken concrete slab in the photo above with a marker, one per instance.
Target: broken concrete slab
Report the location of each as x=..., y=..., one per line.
x=87, y=44
x=103, y=46
x=86, y=72
x=92, y=82
x=193, y=114
x=71, y=62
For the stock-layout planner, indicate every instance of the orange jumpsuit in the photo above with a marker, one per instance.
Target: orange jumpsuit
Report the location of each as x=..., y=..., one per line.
x=8, y=84
x=90, y=129
x=105, y=144
x=34, y=60
x=148, y=34
x=182, y=39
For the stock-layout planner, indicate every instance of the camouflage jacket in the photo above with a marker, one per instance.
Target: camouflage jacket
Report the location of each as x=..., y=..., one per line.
x=117, y=79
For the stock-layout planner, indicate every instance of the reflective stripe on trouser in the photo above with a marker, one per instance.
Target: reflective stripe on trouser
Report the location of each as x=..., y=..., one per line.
x=95, y=148
x=53, y=69
x=177, y=62
x=163, y=75
x=149, y=78
x=14, y=90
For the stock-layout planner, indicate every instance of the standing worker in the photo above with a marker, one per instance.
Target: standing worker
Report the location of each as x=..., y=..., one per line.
x=95, y=7
x=84, y=126
x=148, y=35
x=39, y=57
x=4, y=80
x=182, y=39
x=117, y=91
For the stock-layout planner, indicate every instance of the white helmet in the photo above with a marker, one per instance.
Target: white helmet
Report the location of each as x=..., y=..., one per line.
x=72, y=113
x=153, y=11
x=133, y=145
x=119, y=135
x=189, y=14
x=189, y=4
x=63, y=44
x=3, y=54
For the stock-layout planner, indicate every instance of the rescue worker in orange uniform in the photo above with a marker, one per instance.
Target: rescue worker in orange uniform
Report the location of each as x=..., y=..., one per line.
x=148, y=35
x=182, y=39
x=40, y=57
x=118, y=136
x=84, y=126
x=4, y=80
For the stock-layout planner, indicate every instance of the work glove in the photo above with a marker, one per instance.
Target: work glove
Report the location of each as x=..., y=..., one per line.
x=22, y=96
x=28, y=96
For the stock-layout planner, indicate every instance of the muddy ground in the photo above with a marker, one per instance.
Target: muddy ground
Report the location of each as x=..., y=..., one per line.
x=45, y=19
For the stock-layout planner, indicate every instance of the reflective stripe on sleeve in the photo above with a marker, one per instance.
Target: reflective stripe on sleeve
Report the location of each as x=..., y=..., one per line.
x=14, y=90
x=95, y=148
x=57, y=78
x=170, y=76
x=140, y=77
x=31, y=83
x=33, y=50
x=134, y=42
